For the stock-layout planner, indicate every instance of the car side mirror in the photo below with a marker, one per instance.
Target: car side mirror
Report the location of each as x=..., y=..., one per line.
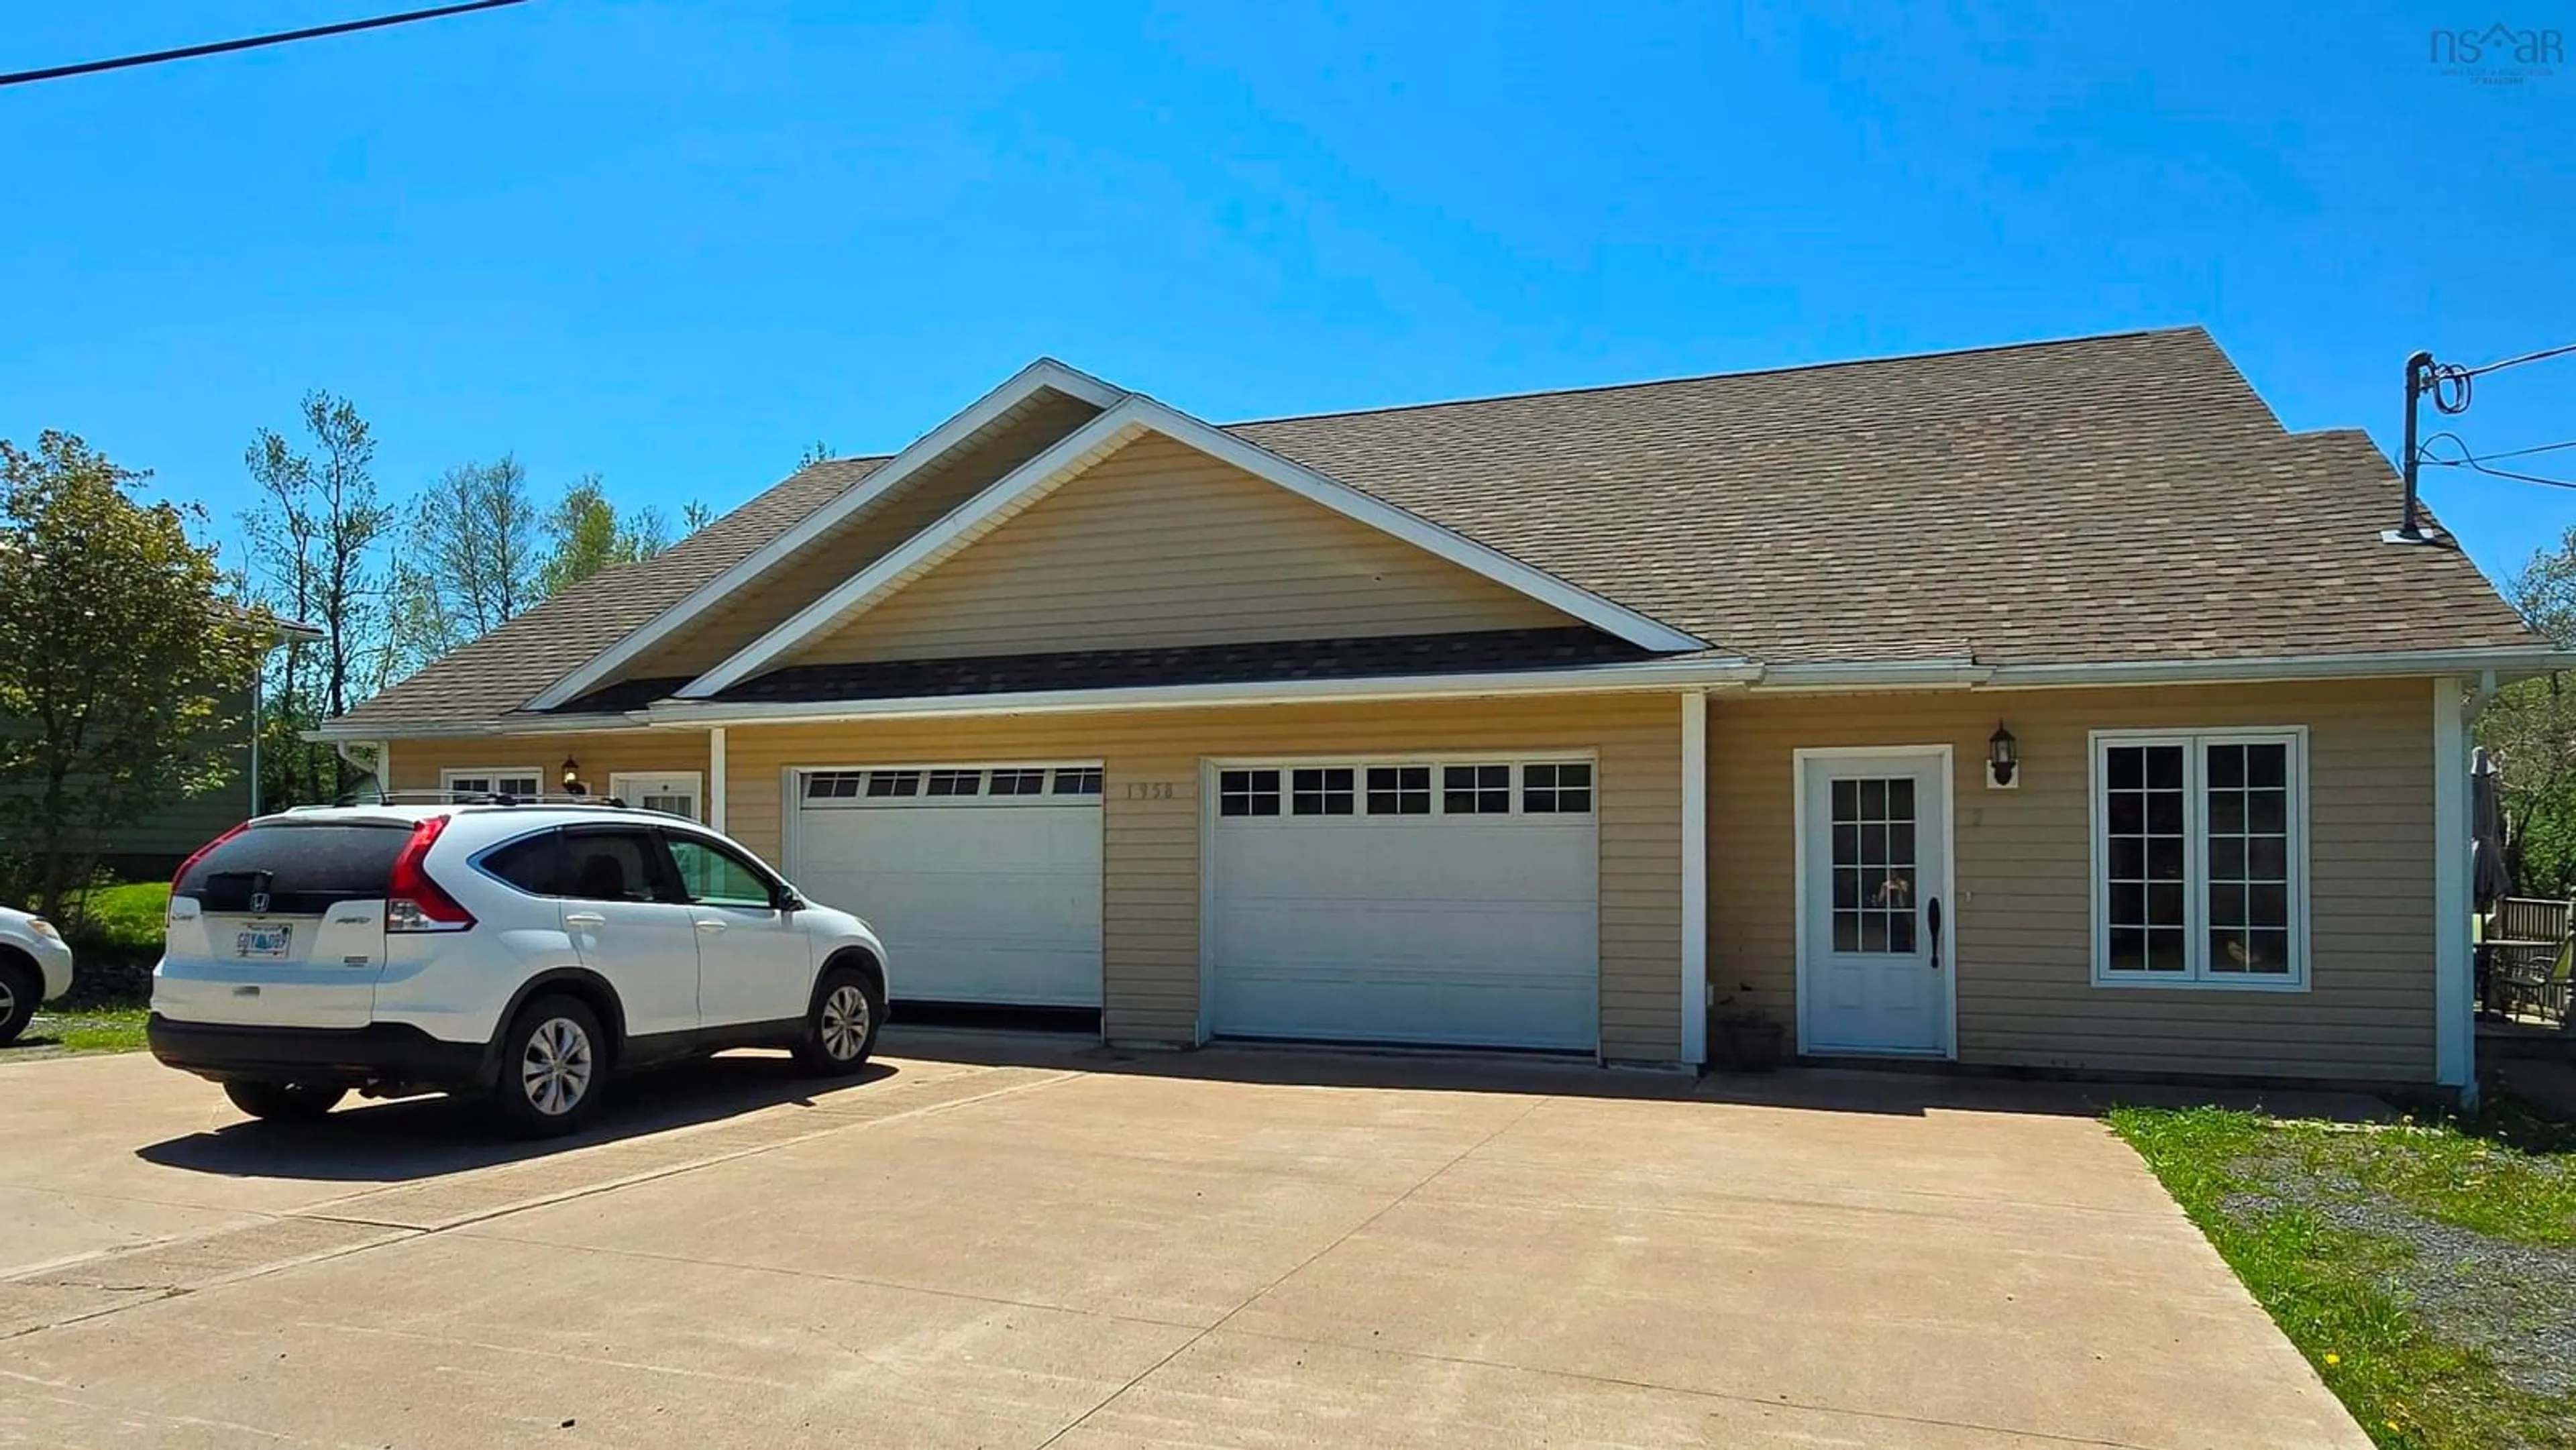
x=782, y=898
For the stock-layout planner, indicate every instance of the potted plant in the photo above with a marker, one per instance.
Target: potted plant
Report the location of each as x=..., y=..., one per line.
x=1748, y=1038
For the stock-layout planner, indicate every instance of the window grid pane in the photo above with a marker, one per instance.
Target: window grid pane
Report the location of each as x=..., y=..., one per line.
x=1874, y=869
x=956, y=782
x=1018, y=782
x=1078, y=780
x=1399, y=790
x=1563, y=789
x=1322, y=790
x=2144, y=841
x=1476, y=790
x=824, y=785
x=2248, y=858
x=1247, y=793
x=894, y=783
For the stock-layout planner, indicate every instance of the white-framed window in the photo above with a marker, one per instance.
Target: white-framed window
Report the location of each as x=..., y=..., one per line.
x=2200, y=871
x=521, y=781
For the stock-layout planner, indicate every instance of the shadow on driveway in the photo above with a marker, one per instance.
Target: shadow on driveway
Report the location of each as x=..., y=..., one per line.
x=424, y=1137
x=1907, y=1090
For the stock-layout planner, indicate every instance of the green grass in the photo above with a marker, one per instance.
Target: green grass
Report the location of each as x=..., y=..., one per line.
x=2280, y=1200
x=82, y=1030
x=128, y=918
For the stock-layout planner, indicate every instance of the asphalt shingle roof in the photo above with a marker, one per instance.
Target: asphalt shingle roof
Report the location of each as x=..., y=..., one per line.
x=2105, y=498
x=1109, y=669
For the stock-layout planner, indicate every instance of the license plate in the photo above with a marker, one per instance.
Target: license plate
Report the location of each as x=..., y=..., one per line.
x=263, y=941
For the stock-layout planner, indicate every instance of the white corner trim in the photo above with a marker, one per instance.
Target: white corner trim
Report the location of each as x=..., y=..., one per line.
x=1045, y=373
x=1079, y=450
x=716, y=776
x=1694, y=877
x=2455, y=1041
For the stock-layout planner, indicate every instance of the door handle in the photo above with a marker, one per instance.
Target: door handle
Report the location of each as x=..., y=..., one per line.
x=1932, y=908
x=586, y=919
x=711, y=926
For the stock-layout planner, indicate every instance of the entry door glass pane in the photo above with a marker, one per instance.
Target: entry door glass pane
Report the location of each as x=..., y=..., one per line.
x=1873, y=864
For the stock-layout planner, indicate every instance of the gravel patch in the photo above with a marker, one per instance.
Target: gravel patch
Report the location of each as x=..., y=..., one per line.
x=2516, y=1302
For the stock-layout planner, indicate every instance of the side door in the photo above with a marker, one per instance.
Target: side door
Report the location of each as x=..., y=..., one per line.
x=623, y=909
x=755, y=962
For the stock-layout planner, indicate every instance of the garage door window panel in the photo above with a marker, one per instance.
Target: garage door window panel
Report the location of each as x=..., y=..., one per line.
x=1248, y=793
x=1399, y=790
x=1019, y=782
x=1078, y=781
x=1476, y=790
x=1323, y=790
x=1557, y=789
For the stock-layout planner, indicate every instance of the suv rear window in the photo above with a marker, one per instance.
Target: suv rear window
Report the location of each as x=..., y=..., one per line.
x=303, y=868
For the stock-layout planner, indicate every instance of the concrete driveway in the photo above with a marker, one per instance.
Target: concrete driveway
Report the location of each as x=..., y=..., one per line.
x=1010, y=1244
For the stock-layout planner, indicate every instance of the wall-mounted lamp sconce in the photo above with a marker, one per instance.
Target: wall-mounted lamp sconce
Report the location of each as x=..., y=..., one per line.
x=572, y=778
x=2003, y=760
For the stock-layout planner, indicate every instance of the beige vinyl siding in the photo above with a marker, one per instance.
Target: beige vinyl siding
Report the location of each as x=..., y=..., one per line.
x=2023, y=874
x=1151, y=848
x=915, y=504
x=1159, y=544
x=417, y=763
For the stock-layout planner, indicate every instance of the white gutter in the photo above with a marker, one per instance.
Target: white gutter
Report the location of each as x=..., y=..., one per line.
x=1855, y=678
x=1960, y=674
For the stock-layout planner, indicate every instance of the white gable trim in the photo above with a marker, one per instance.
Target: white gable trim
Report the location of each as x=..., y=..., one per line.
x=1045, y=373
x=1113, y=429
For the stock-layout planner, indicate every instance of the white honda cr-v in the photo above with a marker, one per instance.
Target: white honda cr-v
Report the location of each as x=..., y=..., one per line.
x=517, y=951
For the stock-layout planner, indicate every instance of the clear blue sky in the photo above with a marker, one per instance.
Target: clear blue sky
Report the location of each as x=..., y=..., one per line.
x=675, y=242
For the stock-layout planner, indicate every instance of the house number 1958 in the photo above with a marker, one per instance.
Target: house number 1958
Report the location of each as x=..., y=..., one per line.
x=1151, y=790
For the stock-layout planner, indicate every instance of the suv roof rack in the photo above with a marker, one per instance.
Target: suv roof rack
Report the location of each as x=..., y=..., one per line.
x=476, y=798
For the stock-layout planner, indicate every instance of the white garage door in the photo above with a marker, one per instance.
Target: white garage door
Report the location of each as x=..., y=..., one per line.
x=983, y=881
x=1447, y=901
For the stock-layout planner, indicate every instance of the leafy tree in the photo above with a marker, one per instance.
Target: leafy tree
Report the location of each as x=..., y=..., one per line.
x=119, y=658
x=317, y=543
x=2530, y=729
x=472, y=561
x=588, y=536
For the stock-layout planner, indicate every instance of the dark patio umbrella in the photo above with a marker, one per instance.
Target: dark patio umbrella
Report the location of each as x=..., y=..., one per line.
x=2488, y=878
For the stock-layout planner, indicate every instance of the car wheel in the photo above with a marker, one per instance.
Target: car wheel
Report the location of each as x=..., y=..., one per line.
x=554, y=1066
x=841, y=1027
x=20, y=991
x=284, y=1102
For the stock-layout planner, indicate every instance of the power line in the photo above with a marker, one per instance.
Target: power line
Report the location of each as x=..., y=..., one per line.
x=2469, y=459
x=91, y=67
x=2529, y=357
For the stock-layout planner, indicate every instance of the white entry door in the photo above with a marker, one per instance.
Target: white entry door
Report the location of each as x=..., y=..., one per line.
x=983, y=881
x=1419, y=901
x=1874, y=968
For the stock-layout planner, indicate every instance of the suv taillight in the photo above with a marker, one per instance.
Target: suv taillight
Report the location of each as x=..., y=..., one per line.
x=414, y=902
